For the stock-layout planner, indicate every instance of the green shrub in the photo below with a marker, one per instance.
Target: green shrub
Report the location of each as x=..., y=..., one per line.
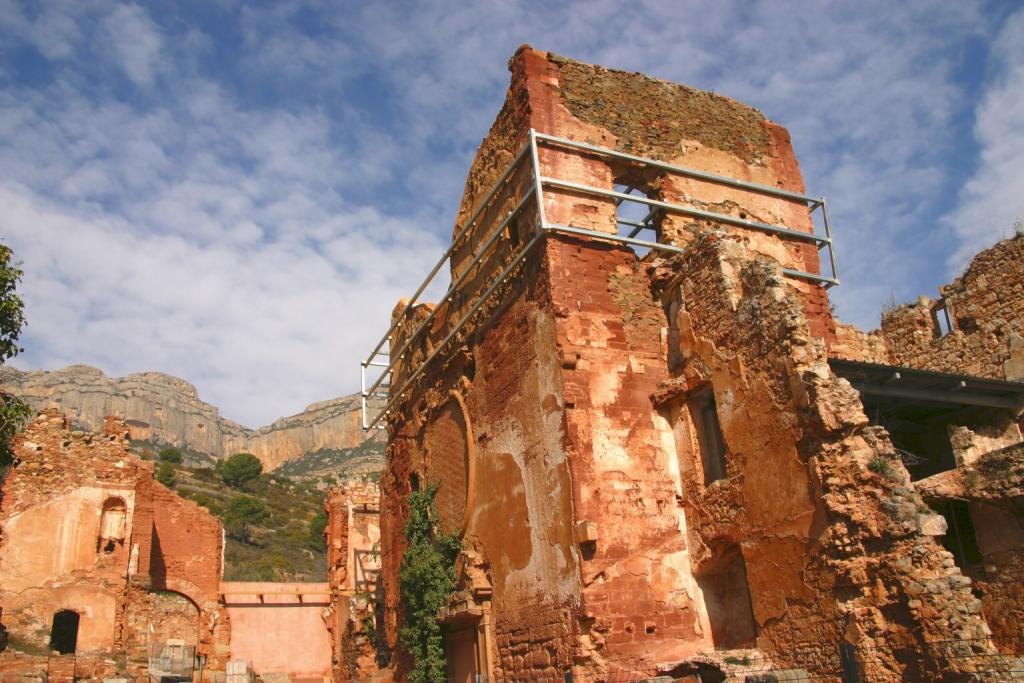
x=317, y=525
x=170, y=454
x=240, y=469
x=883, y=468
x=241, y=514
x=426, y=580
x=166, y=475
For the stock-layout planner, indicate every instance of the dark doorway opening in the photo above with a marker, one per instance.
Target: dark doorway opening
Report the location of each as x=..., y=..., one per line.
x=64, y=632
x=727, y=600
x=961, y=539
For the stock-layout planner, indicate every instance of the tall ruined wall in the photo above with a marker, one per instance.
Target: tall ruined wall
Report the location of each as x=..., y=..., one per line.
x=353, y=569
x=832, y=550
x=986, y=306
x=53, y=554
x=993, y=486
x=686, y=127
x=637, y=603
x=536, y=423
x=85, y=528
x=985, y=309
x=166, y=410
x=486, y=427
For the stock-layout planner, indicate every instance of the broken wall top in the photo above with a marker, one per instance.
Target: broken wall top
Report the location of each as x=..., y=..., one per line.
x=51, y=458
x=629, y=112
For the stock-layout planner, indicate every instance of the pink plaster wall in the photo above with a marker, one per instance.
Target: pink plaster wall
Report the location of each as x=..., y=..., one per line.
x=281, y=632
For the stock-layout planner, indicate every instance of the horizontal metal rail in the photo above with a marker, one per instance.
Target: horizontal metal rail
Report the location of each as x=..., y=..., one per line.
x=661, y=246
x=536, y=192
x=687, y=211
x=465, y=273
x=681, y=170
x=411, y=338
x=459, y=325
x=448, y=252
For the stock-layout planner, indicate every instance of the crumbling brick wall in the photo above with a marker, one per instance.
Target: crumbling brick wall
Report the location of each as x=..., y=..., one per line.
x=588, y=541
x=985, y=306
x=545, y=394
x=353, y=566
x=833, y=550
x=518, y=516
x=51, y=556
x=993, y=486
x=118, y=535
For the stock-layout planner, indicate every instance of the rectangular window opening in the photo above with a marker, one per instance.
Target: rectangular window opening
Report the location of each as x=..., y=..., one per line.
x=636, y=220
x=704, y=415
x=942, y=319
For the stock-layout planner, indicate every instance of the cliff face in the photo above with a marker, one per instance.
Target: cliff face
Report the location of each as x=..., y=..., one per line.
x=167, y=410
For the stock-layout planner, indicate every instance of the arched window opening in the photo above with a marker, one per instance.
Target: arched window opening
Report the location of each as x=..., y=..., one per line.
x=112, y=524
x=64, y=631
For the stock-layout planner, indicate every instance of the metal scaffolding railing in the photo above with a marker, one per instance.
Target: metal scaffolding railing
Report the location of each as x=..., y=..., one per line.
x=378, y=390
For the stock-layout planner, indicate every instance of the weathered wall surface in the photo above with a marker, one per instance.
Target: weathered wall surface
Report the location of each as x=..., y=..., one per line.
x=52, y=556
x=85, y=528
x=539, y=430
x=637, y=600
x=686, y=127
x=167, y=410
x=353, y=570
x=500, y=434
x=829, y=545
x=993, y=485
x=279, y=627
x=593, y=536
x=986, y=306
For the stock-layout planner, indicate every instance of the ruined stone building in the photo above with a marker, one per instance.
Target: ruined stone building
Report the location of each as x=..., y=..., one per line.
x=101, y=563
x=106, y=573
x=654, y=439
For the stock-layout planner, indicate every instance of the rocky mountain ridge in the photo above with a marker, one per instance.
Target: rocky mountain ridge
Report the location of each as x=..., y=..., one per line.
x=164, y=410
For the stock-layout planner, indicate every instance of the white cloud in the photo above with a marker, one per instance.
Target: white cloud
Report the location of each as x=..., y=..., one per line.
x=135, y=42
x=247, y=217
x=993, y=199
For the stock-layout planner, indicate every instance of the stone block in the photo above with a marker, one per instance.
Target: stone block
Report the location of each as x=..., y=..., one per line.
x=932, y=525
x=586, y=532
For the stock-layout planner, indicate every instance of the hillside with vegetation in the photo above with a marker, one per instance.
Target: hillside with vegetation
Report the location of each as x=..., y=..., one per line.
x=273, y=523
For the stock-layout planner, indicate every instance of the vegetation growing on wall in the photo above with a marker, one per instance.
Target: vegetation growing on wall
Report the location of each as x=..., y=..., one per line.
x=426, y=580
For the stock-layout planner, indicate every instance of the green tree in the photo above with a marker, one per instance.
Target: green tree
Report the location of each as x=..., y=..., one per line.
x=13, y=411
x=170, y=454
x=426, y=579
x=240, y=469
x=241, y=514
x=166, y=475
x=317, y=525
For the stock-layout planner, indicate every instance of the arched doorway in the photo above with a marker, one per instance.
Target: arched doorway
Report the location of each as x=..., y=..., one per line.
x=64, y=631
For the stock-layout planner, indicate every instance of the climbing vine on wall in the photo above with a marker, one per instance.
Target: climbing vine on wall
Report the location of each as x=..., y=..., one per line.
x=426, y=579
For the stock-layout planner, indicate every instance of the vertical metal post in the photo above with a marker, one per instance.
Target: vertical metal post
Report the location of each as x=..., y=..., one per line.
x=538, y=186
x=848, y=660
x=828, y=234
x=362, y=393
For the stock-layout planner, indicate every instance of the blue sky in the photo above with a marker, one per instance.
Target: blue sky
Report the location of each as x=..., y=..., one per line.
x=237, y=193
